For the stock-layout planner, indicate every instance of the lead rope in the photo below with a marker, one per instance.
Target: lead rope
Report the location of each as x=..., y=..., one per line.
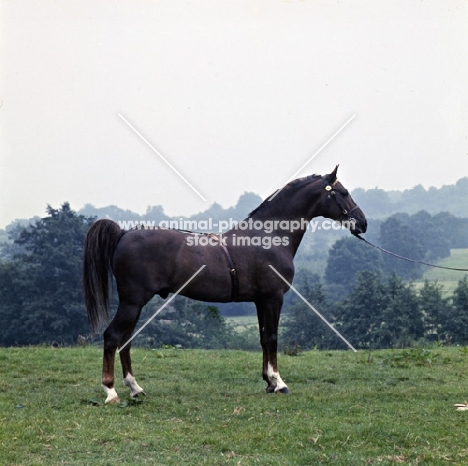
x=408, y=259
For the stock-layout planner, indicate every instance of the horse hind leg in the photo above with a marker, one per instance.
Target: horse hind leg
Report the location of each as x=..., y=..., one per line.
x=116, y=335
x=135, y=389
x=128, y=377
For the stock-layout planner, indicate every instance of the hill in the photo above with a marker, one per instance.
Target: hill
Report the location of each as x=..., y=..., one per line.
x=377, y=203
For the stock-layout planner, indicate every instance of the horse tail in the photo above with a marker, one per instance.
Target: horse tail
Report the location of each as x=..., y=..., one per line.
x=99, y=246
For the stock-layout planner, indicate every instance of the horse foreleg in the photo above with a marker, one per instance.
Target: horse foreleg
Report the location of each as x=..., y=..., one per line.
x=268, y=318
x=263, y=342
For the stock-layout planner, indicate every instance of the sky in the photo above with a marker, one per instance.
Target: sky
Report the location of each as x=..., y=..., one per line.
x=183, y=103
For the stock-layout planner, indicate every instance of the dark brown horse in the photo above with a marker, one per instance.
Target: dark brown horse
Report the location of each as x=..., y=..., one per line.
x=146, y=262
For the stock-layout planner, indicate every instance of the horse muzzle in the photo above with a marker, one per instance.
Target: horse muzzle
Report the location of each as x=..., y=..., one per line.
x=358, y=225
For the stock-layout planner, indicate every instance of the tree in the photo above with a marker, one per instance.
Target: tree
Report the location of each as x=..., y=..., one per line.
x=420, y=237
x=346, y=258
x=40, y=296
x=14, y=293
x=247, y=202
x=431, y=232
x=380, y=313
x=401, y=316
x=455, y=229
x=189, y=324
x=360, y=314
x=456, y=324
x=435, y=309
x=301, y=325
x=374, y=202
x=399, y=238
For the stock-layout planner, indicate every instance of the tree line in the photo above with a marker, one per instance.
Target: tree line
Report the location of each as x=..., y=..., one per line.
x=379, y=312
x=377, y=203
x=362, y=292
x=41, y=300
x=420, y=237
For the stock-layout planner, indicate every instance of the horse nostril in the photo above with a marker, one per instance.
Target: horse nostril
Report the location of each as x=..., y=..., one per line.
x=359, y=224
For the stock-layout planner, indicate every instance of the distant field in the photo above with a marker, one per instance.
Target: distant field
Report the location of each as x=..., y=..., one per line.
x=448, y=278
x=243, y=323
x=210, y=408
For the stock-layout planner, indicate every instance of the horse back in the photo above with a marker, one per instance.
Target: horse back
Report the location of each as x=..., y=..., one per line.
x=149, y=262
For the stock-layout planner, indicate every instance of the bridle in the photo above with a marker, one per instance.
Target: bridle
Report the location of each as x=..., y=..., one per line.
x=329, y=187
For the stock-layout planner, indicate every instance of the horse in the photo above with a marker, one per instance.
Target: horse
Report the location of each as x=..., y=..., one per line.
x=251, y=262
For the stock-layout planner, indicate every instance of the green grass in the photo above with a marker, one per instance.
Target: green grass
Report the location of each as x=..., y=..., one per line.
x=448, y=278
x=209, y=407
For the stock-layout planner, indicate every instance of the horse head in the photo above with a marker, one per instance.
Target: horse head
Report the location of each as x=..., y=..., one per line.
x=340, y=206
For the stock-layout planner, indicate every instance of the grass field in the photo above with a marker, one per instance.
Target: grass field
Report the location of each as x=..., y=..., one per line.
x=448, y=278
x=209, y=407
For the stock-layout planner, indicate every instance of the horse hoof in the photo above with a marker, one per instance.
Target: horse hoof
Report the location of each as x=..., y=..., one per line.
x=273, y=389
x=113, y=401
x=135, y=395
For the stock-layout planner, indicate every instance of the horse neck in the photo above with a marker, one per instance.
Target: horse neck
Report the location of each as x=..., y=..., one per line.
x=290, y=219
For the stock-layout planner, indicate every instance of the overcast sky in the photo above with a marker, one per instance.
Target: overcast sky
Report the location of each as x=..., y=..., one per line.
x=236, y=95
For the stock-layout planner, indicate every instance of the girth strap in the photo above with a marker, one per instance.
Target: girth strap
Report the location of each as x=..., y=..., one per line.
x=232, y=268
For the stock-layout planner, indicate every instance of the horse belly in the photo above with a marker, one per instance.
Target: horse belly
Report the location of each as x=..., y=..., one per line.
x=210, y=286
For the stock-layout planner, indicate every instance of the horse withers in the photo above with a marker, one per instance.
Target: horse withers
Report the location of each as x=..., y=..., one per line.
x=148, y=262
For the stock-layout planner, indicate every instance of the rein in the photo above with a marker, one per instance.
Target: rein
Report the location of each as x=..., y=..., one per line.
x=408, y=259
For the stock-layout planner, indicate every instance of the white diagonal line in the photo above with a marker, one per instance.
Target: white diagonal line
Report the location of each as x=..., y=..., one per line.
x=315, y=310
x=313, y=156
x=162, y=307
x=160, y=155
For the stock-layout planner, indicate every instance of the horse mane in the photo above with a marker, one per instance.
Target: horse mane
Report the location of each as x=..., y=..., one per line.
x=266, y=205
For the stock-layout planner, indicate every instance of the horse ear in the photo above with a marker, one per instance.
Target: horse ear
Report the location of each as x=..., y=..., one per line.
x=332, y=176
